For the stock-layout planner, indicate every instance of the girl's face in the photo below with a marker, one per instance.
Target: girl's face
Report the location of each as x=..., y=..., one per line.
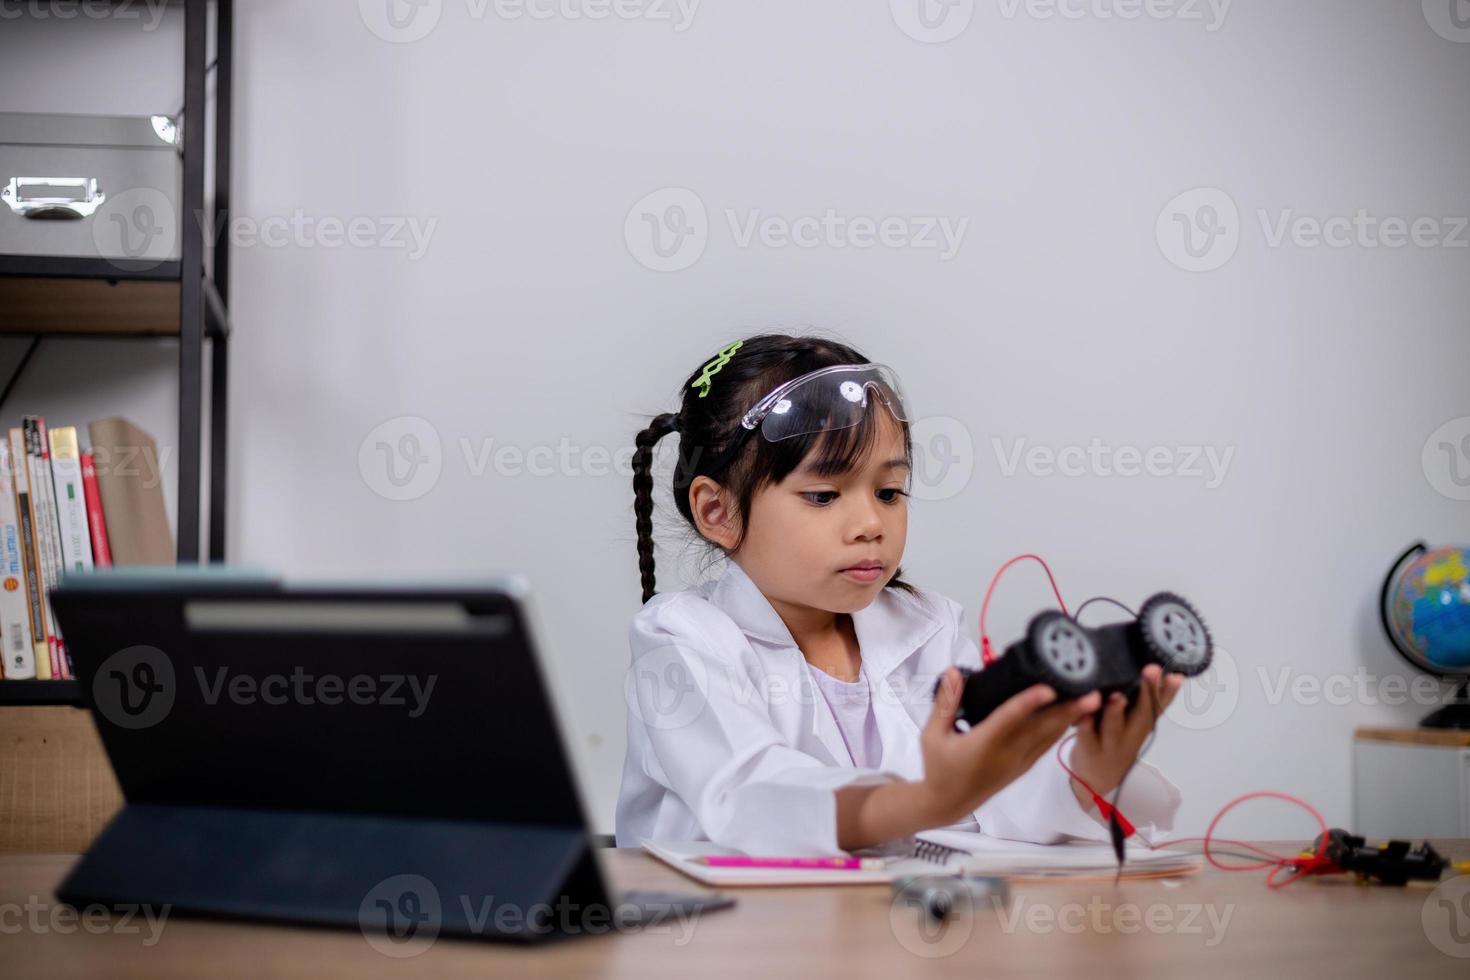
x=806, y=530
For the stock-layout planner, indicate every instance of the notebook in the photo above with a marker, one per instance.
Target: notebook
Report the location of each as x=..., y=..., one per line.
x=940, y=852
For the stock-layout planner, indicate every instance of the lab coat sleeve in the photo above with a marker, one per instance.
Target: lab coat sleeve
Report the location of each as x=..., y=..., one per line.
x=720, y=753
x=1039, y=805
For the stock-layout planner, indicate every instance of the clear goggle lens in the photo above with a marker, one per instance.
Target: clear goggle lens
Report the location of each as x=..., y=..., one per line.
x=827, y=399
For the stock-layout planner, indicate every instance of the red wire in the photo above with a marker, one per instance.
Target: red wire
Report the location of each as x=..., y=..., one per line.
x=987, y=654
x=1315, y=863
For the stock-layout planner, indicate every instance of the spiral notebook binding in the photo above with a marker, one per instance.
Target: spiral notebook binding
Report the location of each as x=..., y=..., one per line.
x=936, y=853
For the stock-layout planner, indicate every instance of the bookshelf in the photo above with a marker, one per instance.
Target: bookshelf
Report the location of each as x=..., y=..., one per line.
x=91, y=298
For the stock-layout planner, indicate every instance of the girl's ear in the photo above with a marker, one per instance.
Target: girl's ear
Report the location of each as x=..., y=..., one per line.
x=712, y=514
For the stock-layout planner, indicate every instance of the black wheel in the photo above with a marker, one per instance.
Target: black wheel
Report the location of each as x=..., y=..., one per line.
x=1176, y=636
x=1063, y=654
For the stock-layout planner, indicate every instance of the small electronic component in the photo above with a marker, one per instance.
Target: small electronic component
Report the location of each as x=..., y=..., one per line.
x=1393, y=862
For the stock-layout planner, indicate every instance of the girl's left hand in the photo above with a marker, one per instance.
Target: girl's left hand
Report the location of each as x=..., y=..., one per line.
x=1102, y=753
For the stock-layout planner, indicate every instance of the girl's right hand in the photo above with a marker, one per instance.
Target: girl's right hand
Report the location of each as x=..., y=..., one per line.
x=964, y=769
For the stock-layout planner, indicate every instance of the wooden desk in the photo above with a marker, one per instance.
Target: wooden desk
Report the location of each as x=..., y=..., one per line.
x=1318, y=927
x=57, y=789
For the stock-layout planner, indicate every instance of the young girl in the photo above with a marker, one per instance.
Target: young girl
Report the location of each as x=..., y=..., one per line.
x=785, y=708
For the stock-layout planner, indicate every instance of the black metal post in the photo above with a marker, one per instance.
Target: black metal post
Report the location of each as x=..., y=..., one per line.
x=191, y=283
x=220, y=359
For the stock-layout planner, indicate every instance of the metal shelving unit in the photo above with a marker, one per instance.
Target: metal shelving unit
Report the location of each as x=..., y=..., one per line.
x=46, y=296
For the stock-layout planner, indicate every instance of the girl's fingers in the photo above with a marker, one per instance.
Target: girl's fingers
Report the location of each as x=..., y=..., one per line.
x=1076, y=710
x=1144, y=713
x=1113, y=715
x=1172, y=684
x=1150, y=684
x=1058, y=718
x=1159, y=694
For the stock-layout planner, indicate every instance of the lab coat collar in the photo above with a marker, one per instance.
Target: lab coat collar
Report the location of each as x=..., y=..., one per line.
x=889, y=629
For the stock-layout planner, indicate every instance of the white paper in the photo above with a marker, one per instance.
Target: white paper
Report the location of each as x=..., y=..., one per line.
x=995, y=855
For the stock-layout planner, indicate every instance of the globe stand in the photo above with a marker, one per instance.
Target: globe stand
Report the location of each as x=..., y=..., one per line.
x=1456, y=714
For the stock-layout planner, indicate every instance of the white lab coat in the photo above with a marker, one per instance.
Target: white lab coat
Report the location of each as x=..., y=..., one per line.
x=729, y=740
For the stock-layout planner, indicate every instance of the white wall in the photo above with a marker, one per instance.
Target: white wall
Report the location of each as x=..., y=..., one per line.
x=529, y=319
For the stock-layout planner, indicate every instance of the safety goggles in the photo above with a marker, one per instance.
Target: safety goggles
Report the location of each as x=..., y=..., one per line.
x=826, y=399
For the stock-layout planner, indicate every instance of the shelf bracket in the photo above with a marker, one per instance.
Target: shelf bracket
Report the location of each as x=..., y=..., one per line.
x=20, y=368
x=218, y=320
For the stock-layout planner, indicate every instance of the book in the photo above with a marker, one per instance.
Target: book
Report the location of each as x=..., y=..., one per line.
x=30, y=554
x=940, y=852
x=71, y=507
x=58, y=561
x=19, y=655
x=129, y=481
x=43, y=501
x=96, y=522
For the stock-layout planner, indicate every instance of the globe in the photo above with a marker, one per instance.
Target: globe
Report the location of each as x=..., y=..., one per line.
x=1425, y=607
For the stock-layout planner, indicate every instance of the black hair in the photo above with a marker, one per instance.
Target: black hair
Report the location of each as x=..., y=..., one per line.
x=713, y=443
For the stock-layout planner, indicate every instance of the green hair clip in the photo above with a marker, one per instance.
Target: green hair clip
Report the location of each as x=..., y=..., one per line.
x=706, y=376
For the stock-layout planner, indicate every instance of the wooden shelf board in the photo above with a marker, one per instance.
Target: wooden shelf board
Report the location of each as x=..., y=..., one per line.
x=1417, y=736
x=97, y=307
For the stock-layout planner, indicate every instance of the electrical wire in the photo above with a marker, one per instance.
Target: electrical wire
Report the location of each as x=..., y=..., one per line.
x=987, y=652
x=1118, y=825
x=1303, y=864
x=1118, y=791
x=1102, y=598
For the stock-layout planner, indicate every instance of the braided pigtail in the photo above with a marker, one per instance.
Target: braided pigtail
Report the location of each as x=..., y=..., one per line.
x=661, y=426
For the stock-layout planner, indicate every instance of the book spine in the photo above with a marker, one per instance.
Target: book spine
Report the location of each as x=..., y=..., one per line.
x=96, y=521
x=30, y=554
x=42, y=521
x=71, y=508
x=61, y=662
x=15, y=630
